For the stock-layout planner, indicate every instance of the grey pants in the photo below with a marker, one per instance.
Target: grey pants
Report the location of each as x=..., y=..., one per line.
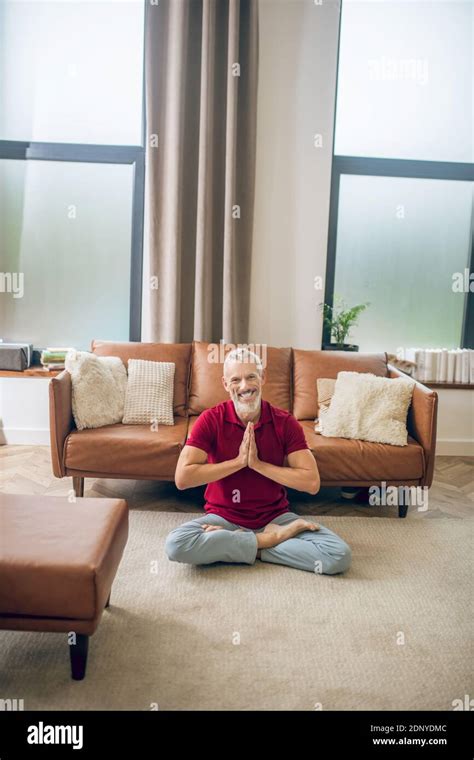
x=320, y=551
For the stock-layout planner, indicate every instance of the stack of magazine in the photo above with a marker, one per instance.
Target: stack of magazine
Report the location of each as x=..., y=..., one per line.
x=53, y=357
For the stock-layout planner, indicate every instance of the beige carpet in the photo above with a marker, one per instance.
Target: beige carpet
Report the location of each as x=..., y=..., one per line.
x=239, y=637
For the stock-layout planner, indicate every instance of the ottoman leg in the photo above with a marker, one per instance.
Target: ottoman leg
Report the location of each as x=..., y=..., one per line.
x=107, y=604
x=78, y=654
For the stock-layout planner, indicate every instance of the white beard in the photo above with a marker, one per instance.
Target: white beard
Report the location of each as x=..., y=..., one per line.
x=243, y=408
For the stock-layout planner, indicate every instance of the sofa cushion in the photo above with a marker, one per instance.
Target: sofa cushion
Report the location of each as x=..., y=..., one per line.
x=179, y=353
x=369, y=408
x=129, y=451
x=206, y=388
x=149, y=393
x=309, y=365
x=99, y=384
x=344, y=459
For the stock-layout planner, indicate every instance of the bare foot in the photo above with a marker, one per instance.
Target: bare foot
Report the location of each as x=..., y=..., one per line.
x=274, y=534
x=207, y=528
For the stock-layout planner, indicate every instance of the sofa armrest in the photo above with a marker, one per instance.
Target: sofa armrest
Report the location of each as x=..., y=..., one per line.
x=421, y=423
x=60, y=419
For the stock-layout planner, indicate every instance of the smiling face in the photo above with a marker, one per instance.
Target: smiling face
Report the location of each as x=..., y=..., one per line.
x=244, y=385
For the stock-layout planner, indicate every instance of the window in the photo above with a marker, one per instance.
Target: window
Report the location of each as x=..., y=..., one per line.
x=71, y=169
x=401, y=216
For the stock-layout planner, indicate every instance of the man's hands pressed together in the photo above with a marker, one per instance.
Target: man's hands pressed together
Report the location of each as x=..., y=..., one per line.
x=253, y=460
x=248, y=453
x=243, y=455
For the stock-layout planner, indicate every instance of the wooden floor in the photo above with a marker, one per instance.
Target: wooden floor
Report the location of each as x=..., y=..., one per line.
x=27, y=469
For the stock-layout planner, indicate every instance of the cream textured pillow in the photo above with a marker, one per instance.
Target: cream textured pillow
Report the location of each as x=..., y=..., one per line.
x=149, y=396
x=325, y=387
x=98, y=388
x=369, y=408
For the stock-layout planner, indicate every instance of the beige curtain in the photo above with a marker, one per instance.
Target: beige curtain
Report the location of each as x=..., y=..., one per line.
x=201, y=98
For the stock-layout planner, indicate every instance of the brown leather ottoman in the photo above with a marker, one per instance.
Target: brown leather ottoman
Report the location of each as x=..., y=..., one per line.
x=58, y=560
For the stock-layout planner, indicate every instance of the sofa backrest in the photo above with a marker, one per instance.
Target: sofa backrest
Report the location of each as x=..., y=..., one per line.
x=291, y=374
x=179, y=353
x=206, y=387
x=308, y=366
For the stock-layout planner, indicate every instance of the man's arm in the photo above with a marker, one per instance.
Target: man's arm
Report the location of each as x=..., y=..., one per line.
x=302, y=473
x=194, y=470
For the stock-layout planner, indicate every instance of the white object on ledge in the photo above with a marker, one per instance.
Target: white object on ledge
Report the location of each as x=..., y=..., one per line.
x=440, y=365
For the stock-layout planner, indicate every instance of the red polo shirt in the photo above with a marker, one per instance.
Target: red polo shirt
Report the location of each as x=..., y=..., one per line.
x=246, y=497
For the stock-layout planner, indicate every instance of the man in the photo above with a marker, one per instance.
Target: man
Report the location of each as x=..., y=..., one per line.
x=239, y=449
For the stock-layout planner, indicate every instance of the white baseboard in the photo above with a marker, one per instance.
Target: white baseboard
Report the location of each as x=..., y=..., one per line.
x=455, y=447
x=25, y=436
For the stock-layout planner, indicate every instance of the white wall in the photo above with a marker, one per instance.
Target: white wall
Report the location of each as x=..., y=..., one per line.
x=455, y=422
x=24, y=410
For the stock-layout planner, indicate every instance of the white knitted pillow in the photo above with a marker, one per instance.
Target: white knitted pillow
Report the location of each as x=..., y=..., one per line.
x=98, y=388
x=149, y=396
x=369, y=408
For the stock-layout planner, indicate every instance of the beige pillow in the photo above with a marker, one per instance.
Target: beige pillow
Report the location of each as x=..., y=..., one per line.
x=325, y=387
x=369, y=408
x=149, y=396
x=98, y=388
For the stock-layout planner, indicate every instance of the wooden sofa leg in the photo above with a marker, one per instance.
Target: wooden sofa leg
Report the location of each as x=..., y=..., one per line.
x=405, y=500
x=78, y=486
x=107, y=604
x=78, y=653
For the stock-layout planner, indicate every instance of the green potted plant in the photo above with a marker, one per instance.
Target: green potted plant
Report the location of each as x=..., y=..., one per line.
x=339, y=320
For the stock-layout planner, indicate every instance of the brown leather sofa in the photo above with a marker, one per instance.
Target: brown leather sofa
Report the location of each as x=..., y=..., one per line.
x=136, y=452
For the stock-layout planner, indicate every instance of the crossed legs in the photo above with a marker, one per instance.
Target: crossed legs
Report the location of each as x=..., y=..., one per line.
x=317, y=551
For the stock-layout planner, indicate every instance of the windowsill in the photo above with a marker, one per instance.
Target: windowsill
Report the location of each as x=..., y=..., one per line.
x=434, y=384
x=460, y=386
x=34, y=371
